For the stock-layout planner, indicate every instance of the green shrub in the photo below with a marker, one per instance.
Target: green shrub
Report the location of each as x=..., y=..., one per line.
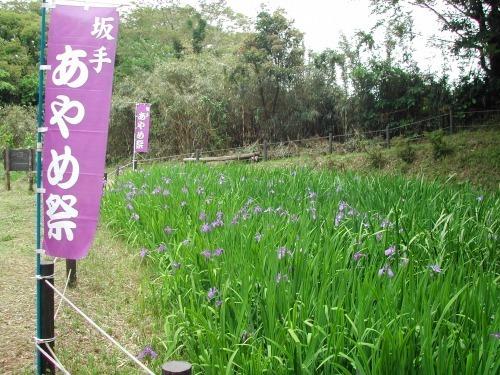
x=440, y=148
x=407, y=153
x=375, y=157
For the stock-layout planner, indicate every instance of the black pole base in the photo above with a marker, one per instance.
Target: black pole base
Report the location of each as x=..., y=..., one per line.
x=47, y=335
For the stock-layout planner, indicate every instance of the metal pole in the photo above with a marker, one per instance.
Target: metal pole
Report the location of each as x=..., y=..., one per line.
x=71, y=272
x=38, y=225
x=197, y=154
x=265, y=150
x=47, y=334
x=176, y=368
x=7, y=169
x=330, y=143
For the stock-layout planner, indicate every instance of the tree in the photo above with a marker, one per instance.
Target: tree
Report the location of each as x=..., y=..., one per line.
x=275, y=53
x=475, y=24
x=18, y=53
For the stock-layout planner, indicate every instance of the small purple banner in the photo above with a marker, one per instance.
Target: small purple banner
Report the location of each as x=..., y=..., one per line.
x=141, y=134
x=81, y=55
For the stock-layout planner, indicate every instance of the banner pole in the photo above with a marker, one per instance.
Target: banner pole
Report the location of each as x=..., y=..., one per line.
x=38, y=231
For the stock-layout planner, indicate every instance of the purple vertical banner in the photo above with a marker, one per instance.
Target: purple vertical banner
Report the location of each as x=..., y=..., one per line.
x=81, y=55
x=141, y=134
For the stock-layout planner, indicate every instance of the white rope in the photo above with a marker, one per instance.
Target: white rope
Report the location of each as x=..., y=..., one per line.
x=64, y=293
x=54, y=356
x=52, y=360
x=101, y=331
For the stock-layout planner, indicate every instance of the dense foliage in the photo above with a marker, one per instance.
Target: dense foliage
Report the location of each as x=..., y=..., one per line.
x=288, y=271
x=216, y=80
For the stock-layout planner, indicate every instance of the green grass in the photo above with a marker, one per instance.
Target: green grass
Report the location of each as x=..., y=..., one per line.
x=291, y=298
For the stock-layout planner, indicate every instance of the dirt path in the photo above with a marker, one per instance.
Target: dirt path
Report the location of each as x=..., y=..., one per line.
x=109, y=290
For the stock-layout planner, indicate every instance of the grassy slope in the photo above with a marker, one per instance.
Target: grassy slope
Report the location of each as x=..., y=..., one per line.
x=476, y=159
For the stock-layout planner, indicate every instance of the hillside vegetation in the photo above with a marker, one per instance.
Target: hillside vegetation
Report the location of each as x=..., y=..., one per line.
x=474, y=158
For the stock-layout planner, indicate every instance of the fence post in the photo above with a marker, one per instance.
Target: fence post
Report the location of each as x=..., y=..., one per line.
x=197, y=154
x=330, y=143
x=176, y=368
x=264, y=150
x=387, y=138
x=71, y=272
x=451, y=121
x=134, y=165
x=47, y=336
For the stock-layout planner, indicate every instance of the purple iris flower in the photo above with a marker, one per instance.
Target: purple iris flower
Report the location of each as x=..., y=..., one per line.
x=168, y=230
x=257, y=210
x=436, y=268
x=161, y=248
x=391, y=250
x=184, y=190
x=480, y=198
x=156, y=191
x=258, y=237
x=217, y=223
x=130, y=207
x=358, y=255
x=218, y=303
x=200, y=190
x=386, y=270
x=143, y=252
x=495, y=335
x=338, y=218
x=147, y=351
x=206, y=253
x=378, y=236
x=135, y=217
x=218, y=252
x=175, y=265
x=385, y=223
x=212, y=292
x=205, y=228
x=282, y=252
x=342, y=206
x=166, y=192
x=202, y=216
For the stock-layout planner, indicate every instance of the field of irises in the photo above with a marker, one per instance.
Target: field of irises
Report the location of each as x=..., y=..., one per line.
x=294, y=271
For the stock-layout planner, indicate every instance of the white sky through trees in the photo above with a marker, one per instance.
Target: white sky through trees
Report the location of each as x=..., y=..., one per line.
x=323, y=22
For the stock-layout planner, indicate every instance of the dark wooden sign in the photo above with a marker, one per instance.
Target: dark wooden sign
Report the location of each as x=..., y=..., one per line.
x=19, y=160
